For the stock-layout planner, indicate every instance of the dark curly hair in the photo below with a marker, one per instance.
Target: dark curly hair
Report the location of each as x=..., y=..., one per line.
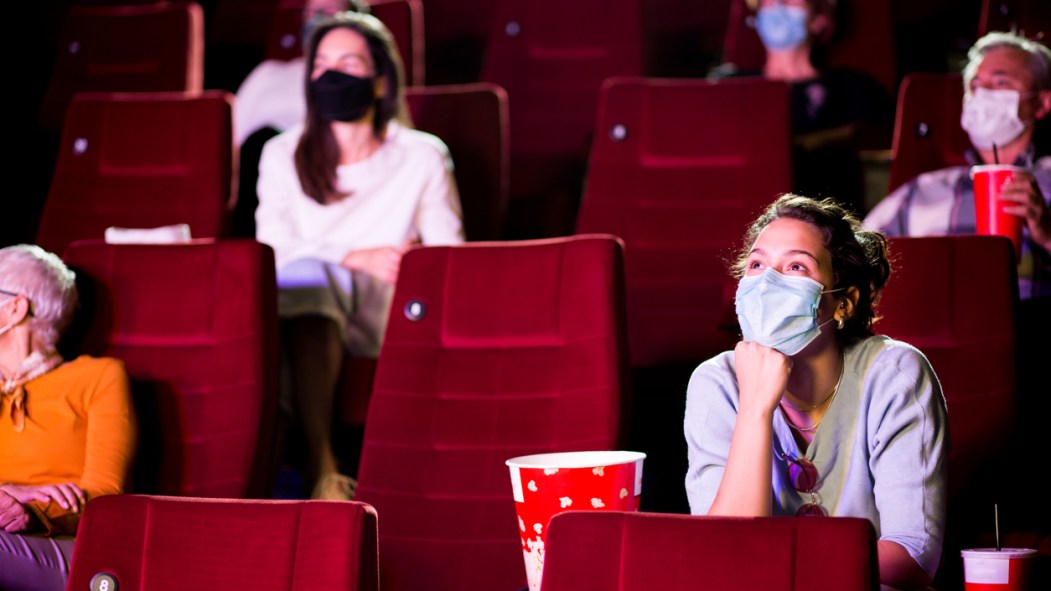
x=859, y=257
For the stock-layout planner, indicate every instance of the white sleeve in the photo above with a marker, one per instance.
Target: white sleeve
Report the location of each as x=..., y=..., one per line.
x=711, y=412
x=909, y=452
x=277, y=188
x=439, y=218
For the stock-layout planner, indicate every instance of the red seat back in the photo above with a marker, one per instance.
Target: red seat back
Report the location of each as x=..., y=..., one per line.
x=141, y=161
x=678, y=170
x=1032, y=18
x=149, y=543
x=927, y=132
x=864, y=40
x=552, y=68
x=964, y=322
x=609, y=550
x=493, y=350
x=139, y=48
x=404, y=19
x=456, y=33
x=472, y=121
x=196, y=327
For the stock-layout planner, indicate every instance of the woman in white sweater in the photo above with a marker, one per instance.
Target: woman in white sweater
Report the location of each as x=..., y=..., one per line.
x=341, y=198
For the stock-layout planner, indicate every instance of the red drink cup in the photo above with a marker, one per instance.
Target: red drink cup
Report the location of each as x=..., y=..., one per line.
x=990, y=219
x=546, y=484
x=989, y=569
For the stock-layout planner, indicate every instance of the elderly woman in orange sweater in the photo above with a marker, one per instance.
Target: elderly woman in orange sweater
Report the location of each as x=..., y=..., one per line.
x=66, y=428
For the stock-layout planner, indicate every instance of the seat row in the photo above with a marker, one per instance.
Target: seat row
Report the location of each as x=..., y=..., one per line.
x=164, y=543
x=677, y=170
x=493, y=350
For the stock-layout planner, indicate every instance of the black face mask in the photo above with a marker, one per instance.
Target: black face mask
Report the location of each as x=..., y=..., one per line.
x=342, y=97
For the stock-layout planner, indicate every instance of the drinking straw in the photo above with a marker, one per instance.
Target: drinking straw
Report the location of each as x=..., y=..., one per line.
x=996, y=525
x=996, y=155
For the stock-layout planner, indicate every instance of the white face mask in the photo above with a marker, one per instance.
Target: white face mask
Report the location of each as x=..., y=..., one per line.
x=991, y=117
x=9, y=324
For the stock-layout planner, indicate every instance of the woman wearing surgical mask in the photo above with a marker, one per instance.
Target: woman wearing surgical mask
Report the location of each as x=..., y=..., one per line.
x=834, y=112
x=811, y=414
x=66, y=427
x=341, y=198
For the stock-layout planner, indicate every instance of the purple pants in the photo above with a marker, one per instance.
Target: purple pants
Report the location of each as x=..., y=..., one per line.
x=34, y=563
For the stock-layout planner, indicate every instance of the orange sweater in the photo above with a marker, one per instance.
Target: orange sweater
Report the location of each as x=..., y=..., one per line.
x=80, y=428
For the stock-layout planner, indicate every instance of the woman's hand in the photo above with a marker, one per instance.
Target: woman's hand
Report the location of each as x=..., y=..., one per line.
x=13, y=516
x=68, y=495
x=382, y=262
x=1023, y=190
x=762, y=376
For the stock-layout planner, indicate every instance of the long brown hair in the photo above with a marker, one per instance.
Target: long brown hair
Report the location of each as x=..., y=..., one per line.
x=317, y=154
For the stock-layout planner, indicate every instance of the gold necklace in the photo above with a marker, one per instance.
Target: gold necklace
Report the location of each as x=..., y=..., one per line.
x=827, y=400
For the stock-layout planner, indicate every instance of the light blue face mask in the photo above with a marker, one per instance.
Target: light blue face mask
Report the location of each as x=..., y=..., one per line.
x=779, y=311
x=782, y=27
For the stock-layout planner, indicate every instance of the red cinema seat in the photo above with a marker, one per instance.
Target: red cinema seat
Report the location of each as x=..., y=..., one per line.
x=472, y=120
x=404, y=19
x=613, y=550
x=964, y=322
x=1032, y=18
x=927, y=132
x=141, y=160
x=493, y=350
x=552, y=66
x=863, y=40
x=138, y=48
x=456, y=33
x=196, y=327
x=153, y=543
x=678, y=170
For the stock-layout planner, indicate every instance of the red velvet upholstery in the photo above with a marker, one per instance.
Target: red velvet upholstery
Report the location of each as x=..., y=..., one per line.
x=696, y=163
x=954, y=298
x=472, y=121
x=404, y=18
x=141, y=160
x=864, y=40
x=150, y=543
x=618, y=551
x=196, y=326
x=927, y=132
x=1032, y=18
x=520, y=350
x=552, y=66
x=142, y=48
x=242, y=23
x=456, y=33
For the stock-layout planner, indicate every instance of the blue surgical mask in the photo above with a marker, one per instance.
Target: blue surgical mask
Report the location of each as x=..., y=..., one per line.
x=782, y=27
x=779, y=311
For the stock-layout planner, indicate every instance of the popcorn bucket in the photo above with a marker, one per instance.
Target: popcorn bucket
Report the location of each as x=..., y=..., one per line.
x=546, y=484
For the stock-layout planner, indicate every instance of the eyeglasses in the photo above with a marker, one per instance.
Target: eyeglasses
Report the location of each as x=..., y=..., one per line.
x=14, y=295
x=803, y=475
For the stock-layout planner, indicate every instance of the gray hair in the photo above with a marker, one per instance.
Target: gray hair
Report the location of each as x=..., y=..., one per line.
x=1038, y=57
x=46, y=282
